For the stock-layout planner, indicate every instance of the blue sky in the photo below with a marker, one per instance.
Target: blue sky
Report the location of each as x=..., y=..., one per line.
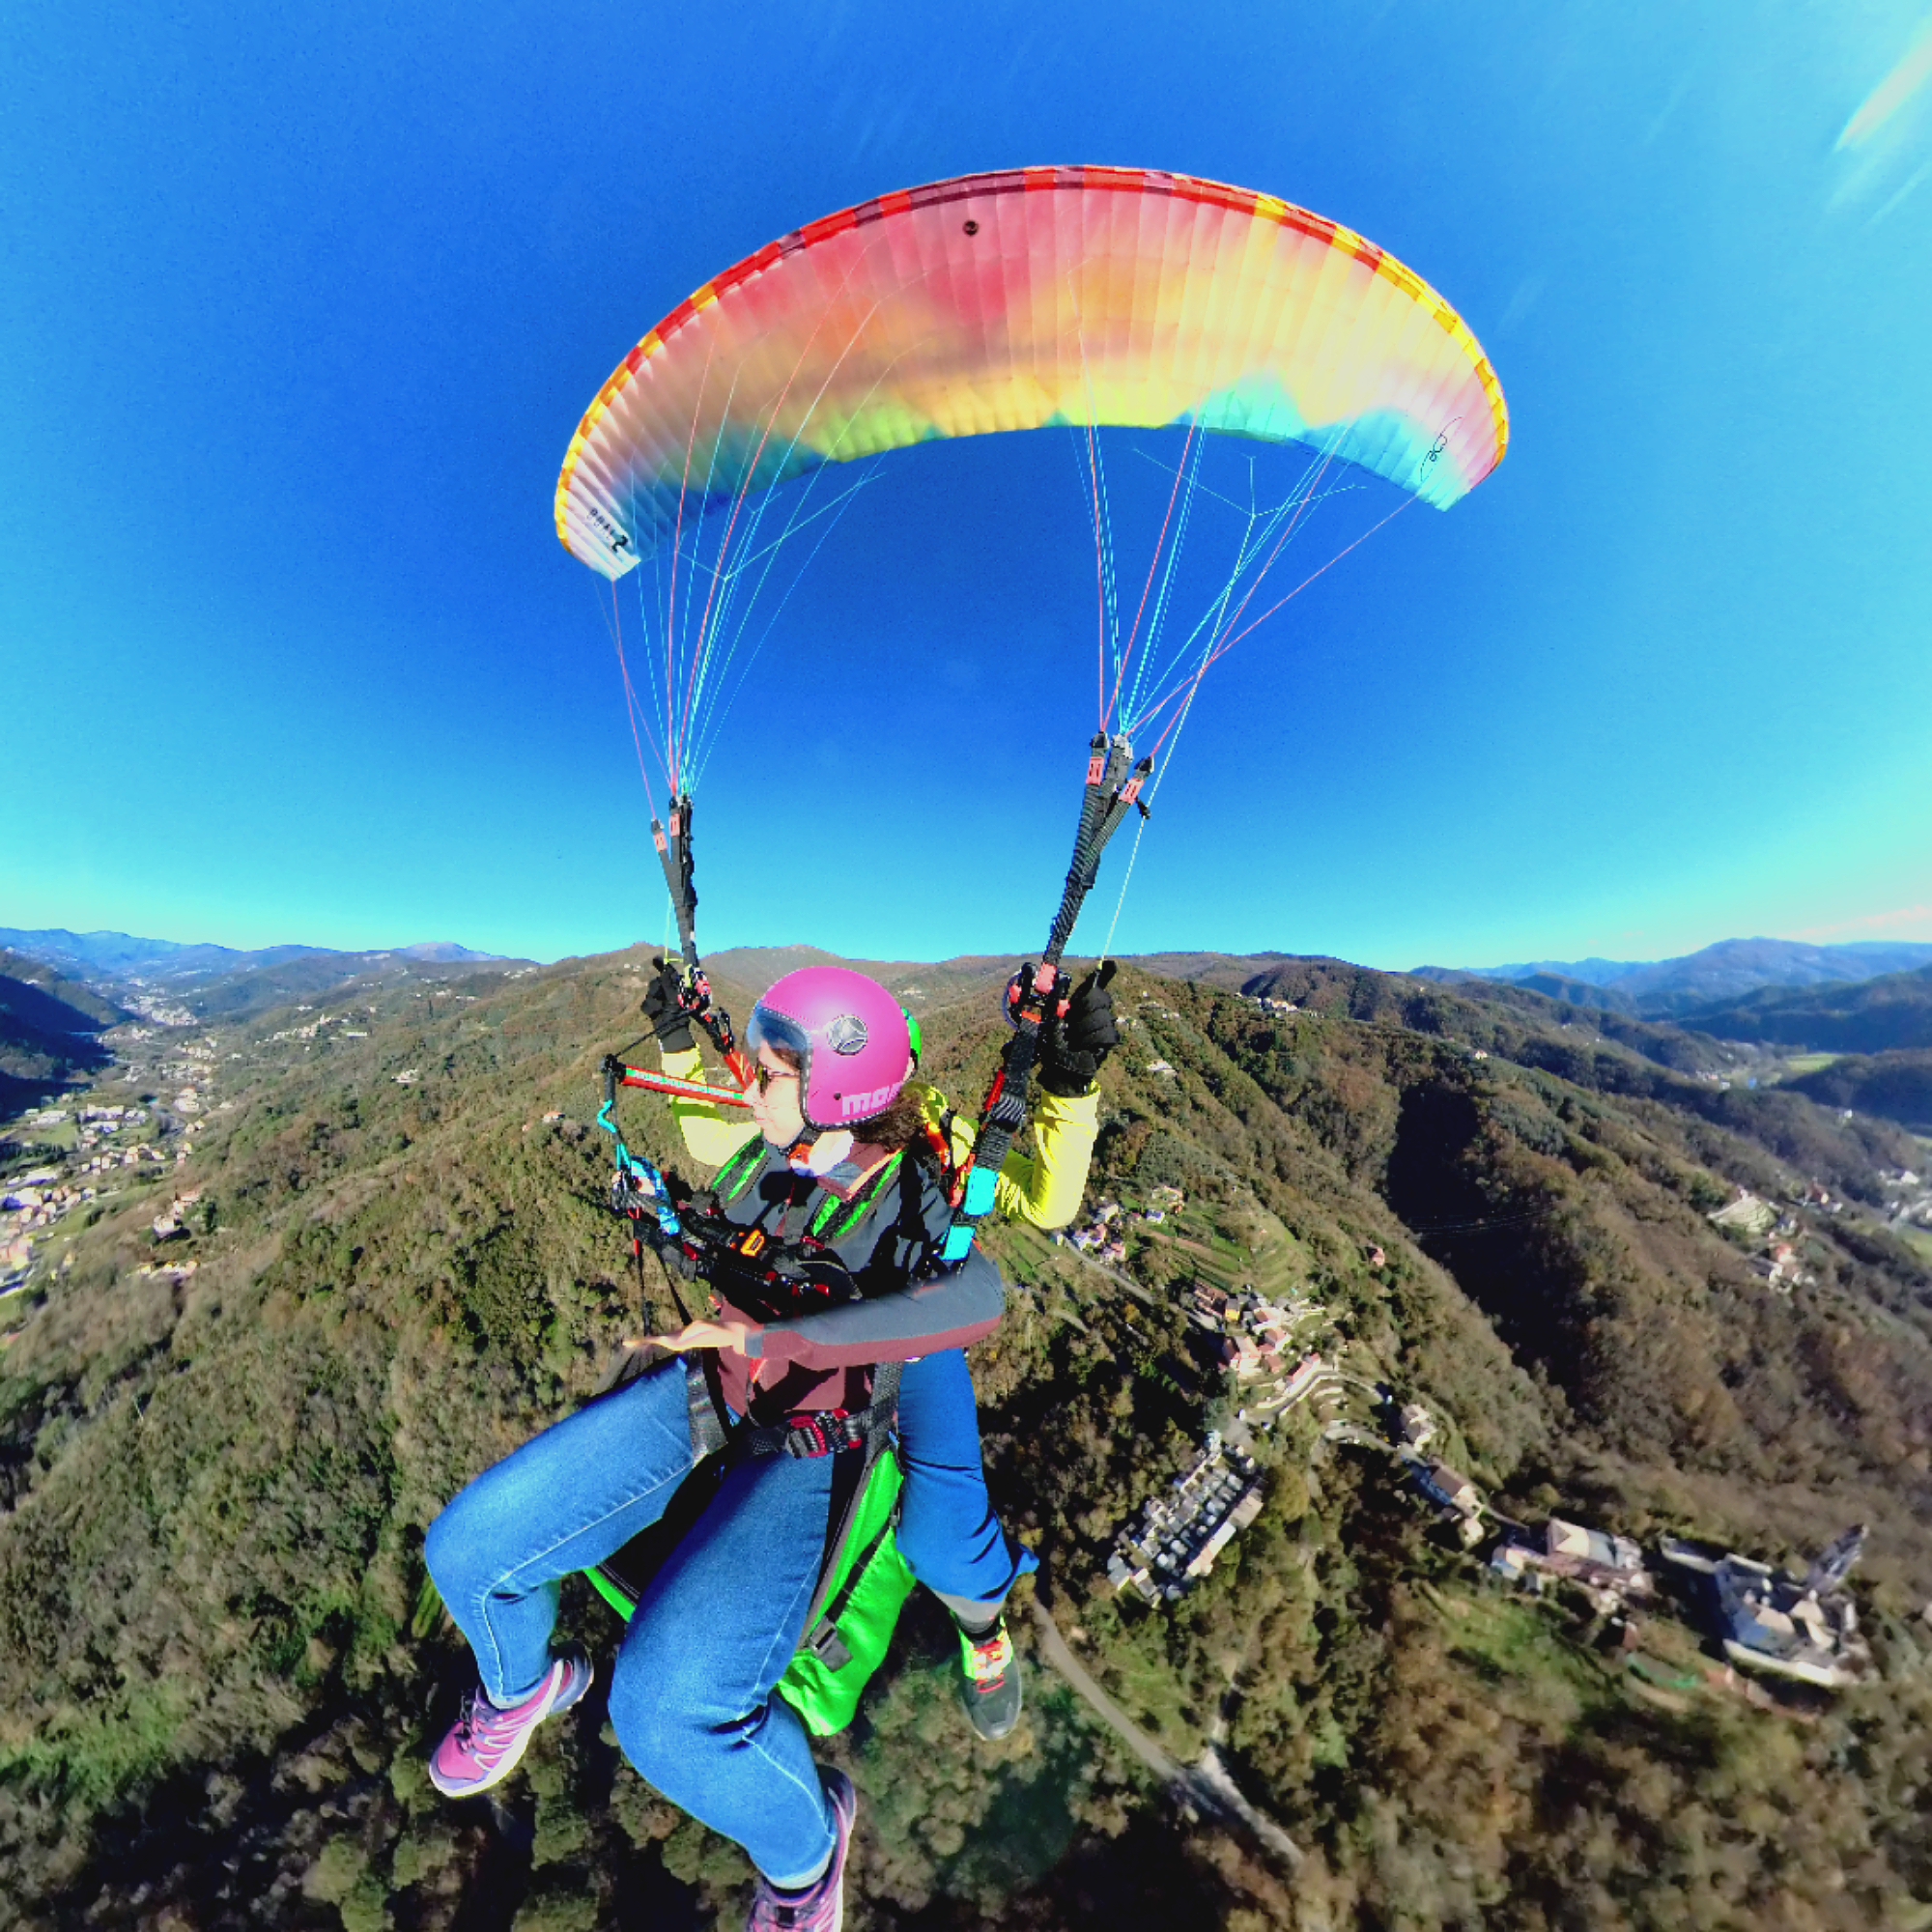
x=299, y=306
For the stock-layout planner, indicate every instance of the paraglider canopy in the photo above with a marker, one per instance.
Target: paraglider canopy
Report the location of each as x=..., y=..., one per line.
x=1090, y=297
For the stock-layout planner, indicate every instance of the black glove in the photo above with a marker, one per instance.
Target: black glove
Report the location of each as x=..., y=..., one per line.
x=665, y=1008
x=1073, y=1043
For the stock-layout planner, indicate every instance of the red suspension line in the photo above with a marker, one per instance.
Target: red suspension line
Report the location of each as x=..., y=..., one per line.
x=751, y=469
x=677, y=550
x=1295, y=521
x=1249, y=628
x=1229, y=637
x=631, y=707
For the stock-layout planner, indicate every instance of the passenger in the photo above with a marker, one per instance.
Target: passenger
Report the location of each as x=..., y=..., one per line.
x=699, y=1721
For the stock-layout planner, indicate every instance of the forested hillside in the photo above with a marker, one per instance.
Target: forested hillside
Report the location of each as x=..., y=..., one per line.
x=48, y=1028
x=1892, y=1012
x=1895, y=1086
x=220, y=1448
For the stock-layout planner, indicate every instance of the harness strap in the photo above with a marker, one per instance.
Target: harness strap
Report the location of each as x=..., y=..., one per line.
x=834, y=1218
x=821, y=1637
x=704, y=1403
x=881, y=1418
x=737, y=1173
x=827, y=1431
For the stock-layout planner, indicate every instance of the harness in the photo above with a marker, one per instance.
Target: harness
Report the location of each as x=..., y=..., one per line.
x=774, y=1277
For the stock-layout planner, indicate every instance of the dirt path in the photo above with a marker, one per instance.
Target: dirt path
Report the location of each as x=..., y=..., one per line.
x=1206, y=1785
x=1060, y=1655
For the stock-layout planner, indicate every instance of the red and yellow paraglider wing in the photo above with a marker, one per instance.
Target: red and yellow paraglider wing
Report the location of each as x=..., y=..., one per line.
x=1008, y=302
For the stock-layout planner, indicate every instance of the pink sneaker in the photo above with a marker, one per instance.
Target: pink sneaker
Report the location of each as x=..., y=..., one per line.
x=484, y=1746
x=819, y=1907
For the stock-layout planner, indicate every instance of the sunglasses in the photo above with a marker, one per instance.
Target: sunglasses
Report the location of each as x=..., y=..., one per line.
x=765, y=1078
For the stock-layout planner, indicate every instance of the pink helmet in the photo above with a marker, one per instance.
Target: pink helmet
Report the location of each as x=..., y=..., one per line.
x=852, y=1040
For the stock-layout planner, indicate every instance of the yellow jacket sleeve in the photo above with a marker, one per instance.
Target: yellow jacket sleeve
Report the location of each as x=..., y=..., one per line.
x=1044, y=1187
x=711, y=1135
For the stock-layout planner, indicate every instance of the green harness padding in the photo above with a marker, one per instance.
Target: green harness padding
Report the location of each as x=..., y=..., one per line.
x=866, y=1590
x=862, y=1595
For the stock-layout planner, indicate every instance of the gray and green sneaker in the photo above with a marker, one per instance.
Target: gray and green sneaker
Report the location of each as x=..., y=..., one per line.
x=989, y=1679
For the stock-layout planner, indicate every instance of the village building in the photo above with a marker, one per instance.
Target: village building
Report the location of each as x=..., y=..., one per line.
x=1747, y=1213
x=1806, y=1631
x=172, y=1221
x=1448, y=1486
x=1455, y=1497
x=1175, y=1539
x=1767, y=1621
x=1251, y=1333
x=1610, y=1566
x=1209, y=1305
x=1780, y=1268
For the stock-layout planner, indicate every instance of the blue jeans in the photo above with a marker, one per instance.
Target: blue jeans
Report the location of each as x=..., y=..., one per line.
x=691, y=1694
x=948, y=1531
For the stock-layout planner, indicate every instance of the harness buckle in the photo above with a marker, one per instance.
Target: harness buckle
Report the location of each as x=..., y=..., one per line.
x=828, y=1646
x=823, y=1432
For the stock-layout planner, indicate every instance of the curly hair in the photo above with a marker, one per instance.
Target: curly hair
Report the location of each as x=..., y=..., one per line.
x=901, y=1127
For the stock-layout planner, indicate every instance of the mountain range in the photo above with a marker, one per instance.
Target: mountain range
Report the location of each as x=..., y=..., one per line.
x=1674, y=988
x=1717, y=977
x=125, y=955
x=47, y=1029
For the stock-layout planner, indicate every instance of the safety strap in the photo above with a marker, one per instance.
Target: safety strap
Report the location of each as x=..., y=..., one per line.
x=826, y=1431
x=883, y=1418
x=834, y=1218
x=740, y=1171
x=821, y=1636
x=704, y=1403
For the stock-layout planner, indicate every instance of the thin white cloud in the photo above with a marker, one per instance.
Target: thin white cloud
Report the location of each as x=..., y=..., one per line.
x=1883, y=103
x=1872, y=922
x=1522, y=302
x=1892, y=200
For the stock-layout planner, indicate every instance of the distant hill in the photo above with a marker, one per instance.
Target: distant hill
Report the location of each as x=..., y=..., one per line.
x=47, y=1029
x=121, y=954
x=330, y=978
x=209, y=983
x=1729, y=970
x=1893, y=1086
x=1598, y=973
x=124, y=954
x=1869, y=1016
x=923, y=984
